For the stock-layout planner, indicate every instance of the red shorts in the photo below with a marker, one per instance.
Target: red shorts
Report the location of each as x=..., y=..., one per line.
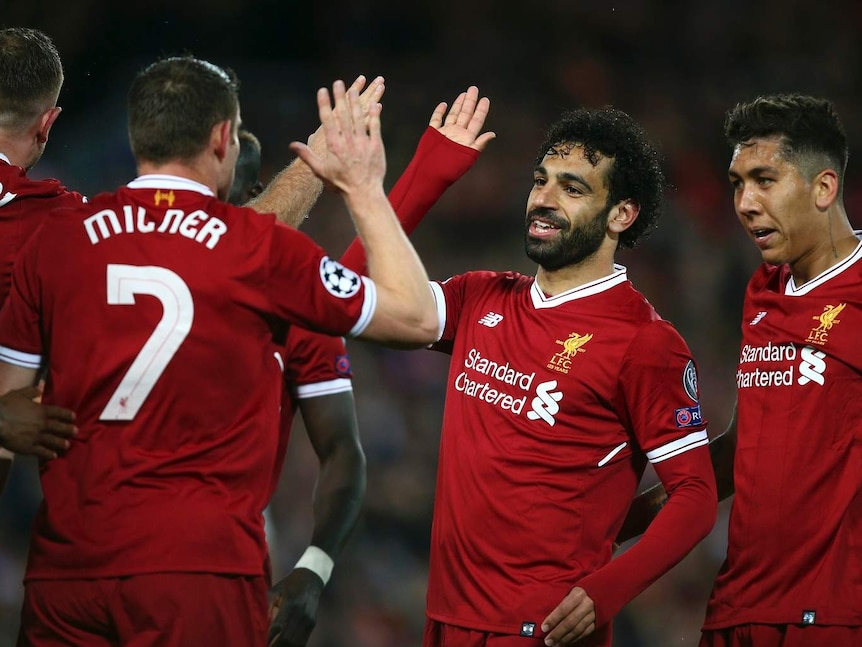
x=163, y=609
x=439, y=634
x=782, y=636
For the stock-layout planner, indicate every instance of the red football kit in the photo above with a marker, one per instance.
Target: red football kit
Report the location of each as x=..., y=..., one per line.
x=795, y=540
x=553, y=407
x=24, y=204
x=154, y=309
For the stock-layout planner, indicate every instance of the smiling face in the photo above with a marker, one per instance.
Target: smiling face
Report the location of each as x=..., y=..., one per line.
x=567, y=209
x=774, y=202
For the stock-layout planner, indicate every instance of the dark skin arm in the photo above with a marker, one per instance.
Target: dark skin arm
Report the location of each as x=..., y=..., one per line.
x=647, y=504
x=334, y=433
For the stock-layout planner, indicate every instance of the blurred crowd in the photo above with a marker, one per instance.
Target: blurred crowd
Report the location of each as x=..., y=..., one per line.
x=676, y=66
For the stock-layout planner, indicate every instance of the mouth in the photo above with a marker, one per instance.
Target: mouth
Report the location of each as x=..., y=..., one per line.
x=543, y=227
x=762, y=236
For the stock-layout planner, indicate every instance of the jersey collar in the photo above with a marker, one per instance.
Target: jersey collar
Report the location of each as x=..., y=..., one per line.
x=540, y=300
x=791, y=290
x=158, y=181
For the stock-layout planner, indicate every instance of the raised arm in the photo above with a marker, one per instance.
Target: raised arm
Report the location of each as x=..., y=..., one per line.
x=330, y=421
x=449, y=147
x=355, y=165
x=293, y=192
x=647, y=504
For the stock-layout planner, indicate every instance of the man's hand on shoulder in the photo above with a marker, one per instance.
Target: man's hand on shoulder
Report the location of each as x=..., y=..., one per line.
x=28, y=427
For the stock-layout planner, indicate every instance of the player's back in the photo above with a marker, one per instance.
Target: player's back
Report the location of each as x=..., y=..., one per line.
x=158, y=331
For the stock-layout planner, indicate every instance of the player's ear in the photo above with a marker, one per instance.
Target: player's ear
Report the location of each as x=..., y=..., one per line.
x=45, y=122
x=825, y=187
x=622, y=216
x=220, y=138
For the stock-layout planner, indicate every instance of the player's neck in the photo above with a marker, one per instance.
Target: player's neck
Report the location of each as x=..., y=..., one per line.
x=554, y=282
x=16, y=151
x=189, y=171
x=827, y=253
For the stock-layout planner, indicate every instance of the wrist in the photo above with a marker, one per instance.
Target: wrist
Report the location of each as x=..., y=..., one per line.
x=318, y=562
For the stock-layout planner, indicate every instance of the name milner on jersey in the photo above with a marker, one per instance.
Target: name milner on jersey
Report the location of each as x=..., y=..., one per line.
x=197, y=225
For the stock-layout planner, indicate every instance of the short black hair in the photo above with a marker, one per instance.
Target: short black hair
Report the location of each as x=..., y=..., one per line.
x=811, y=134
x=636, y=172
x=174, y=104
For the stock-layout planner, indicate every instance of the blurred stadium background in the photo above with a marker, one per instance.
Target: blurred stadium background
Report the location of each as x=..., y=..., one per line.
x=675, y=65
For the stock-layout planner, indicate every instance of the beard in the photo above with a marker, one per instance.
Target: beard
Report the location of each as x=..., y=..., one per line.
x=571, y=246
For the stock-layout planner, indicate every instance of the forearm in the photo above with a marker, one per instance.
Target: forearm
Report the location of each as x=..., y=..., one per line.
x=290, y=195
x=687, y=518
x=406, y=313
x=338, y=499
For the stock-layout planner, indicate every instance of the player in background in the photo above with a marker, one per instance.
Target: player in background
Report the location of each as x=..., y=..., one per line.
x=31, y=75
x=317, y=377
x=561, y=387
x=792, y=452
x=151, y=525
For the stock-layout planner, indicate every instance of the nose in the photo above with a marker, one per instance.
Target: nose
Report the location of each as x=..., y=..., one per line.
x=541, y=196
x=746, y=200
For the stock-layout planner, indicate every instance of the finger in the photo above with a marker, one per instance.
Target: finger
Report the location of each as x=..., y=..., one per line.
x=58, y=413
x=437, y=115
x=581, y=630
x=468, y=107
x=374, y=123
x=483, y=140
x=373, y=92
x=43, y=453
x=357, y=112
x=54, y=443
x=452, y=117
x=559, y=614
x=359, y=83
x=341, y=112
x=327, y=117
x=478, y=116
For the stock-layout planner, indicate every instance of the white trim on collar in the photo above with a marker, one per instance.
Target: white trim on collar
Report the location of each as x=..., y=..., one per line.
x=5, y=159
x=791, y=290
x=617, y=277
x=158, y=181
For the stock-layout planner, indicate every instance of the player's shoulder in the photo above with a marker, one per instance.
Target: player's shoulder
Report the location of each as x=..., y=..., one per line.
x=489, y=279
x=16, y=184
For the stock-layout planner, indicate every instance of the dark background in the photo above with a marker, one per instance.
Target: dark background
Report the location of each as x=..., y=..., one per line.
x=675, y=65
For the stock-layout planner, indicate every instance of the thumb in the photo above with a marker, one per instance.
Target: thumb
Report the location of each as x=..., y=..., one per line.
x=29, y=392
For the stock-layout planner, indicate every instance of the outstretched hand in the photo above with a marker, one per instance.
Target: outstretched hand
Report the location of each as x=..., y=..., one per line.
x=355, y=156
x=28, y=427
x=367, y=96
x=463, y=123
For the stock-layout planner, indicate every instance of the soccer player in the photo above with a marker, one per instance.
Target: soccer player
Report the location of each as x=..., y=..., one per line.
x=31, y=76
x=792, y=452
x=317, y=377
x=561, y=387
x=156, y=305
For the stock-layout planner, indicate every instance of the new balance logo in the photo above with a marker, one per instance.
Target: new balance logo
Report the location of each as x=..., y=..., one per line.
x=757, y=319
x=491, y=319
x=545, y=405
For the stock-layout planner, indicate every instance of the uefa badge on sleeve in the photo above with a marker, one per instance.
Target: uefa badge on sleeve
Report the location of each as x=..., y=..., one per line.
x=337, y=279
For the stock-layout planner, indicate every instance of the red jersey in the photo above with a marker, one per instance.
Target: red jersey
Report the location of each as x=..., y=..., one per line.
x=155, y=307
x=795, y=540
x=24, y=203
x=553, y=406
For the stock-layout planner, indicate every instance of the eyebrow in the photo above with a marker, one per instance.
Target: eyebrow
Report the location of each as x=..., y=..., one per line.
x=753, y=172
x=565, y=176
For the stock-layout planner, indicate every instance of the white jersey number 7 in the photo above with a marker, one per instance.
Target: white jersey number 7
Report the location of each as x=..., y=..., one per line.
x=178, y=312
